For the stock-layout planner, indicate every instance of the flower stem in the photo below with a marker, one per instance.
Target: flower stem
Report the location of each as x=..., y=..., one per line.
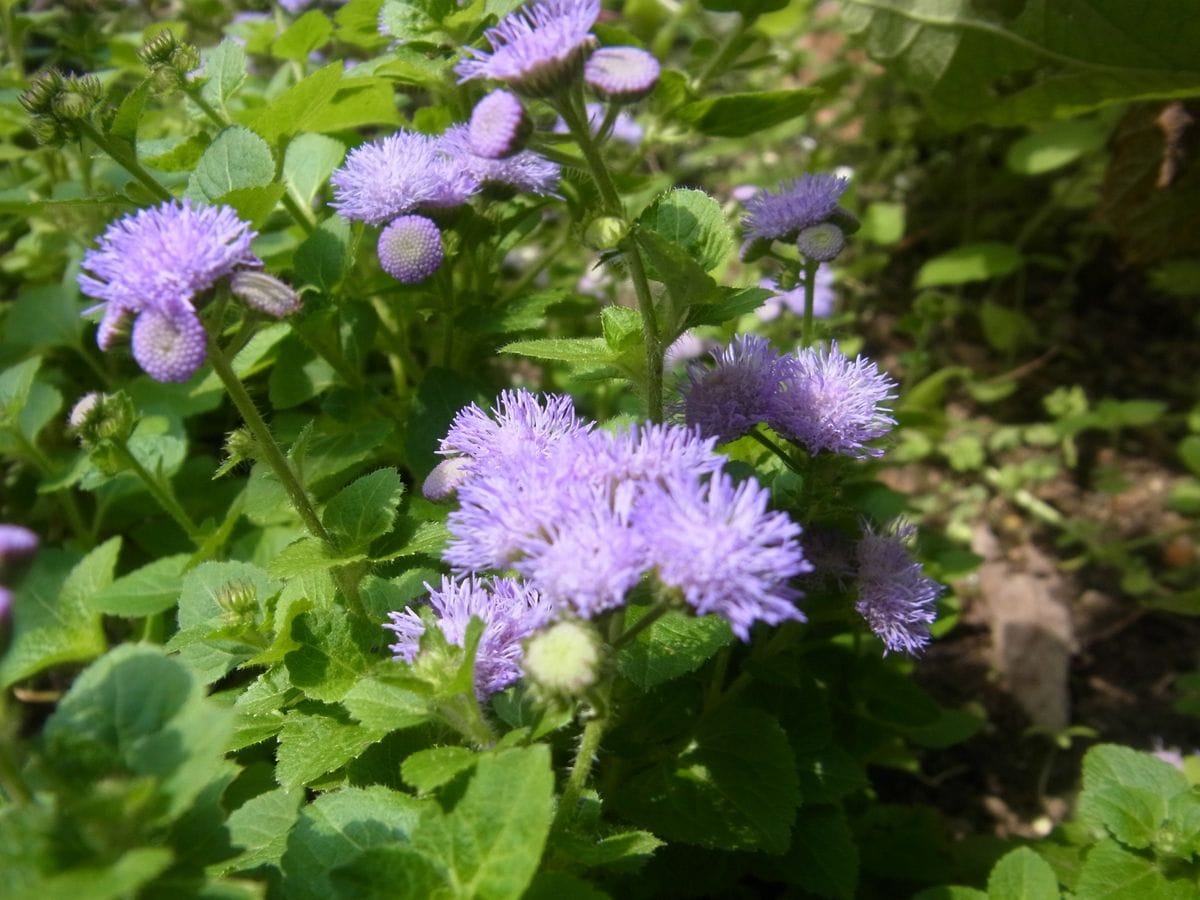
x=659, y=610
x=574, y=114
x=125, y=161
x=783, y=455
x=162, y=493
x=279, y=464
x=581, y=769
x=810, y=293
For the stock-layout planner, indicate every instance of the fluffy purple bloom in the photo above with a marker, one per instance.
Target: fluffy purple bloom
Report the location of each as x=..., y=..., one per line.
x=793, y=300
x=403, y=173
x=410, y=249
x=498, y=125
x=16, y=542
x=645, y=453
x=894, y=595
x=723, y=550
x=829, y=402
x=687, y=347
x=153, y=265
x=621, y=74
x=536, y=49
x=729, y=399
x=510, y=612
x=521, y=424
x=804, y=201
x=524, y=171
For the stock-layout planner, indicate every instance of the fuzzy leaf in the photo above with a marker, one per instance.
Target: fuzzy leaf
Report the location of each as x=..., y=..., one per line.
x=1022, y=875
x=238, y=158
x=364, y=510
x=153, y=588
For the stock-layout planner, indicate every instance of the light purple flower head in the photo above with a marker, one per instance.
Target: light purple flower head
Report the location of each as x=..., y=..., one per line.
x=644, y=453
x=403, y=173
x=521, y=424
x=795, y=205
x=16, y=542
x=685, y=348
x=824, y=297
x=537, y=49
x=729, y=399
x=723, y=550
x=498, y=125
x=153, y=265
x=510, y=611
x=621, y=74
x=894, y=595
x=524, y=171
x=828, y=402
x=410, y=249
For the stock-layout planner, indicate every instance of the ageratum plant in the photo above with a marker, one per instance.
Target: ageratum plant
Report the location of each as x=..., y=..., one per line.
x=425, y=488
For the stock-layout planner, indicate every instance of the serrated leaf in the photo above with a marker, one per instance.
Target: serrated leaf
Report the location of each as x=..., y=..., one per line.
x=1022, y=875
x=823, y=858
x=364, y=510
x=388, y=704
x=297, y=109
x=238, y=158
x=970, y=262
x=576, y=350
x=260, y=827
x=224, y=71
x=309, y=161
x=692, y=221
x=322, y=258
x=673, y=646
x=153, y=588
x=312, y=745
x=1111, y=873
x=337, y=828
x=428, y=769
x=614, y=849
x=1127, y=792
x=737, y=115
x=254, y=204
x=310, y=31
x=201, y=639
x=52, y=617
x=492, y=842
x=332, y=653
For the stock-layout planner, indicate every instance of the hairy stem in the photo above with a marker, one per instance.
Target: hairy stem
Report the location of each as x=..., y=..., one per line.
x=810, y=294
x=161, y=492
x=125, y=161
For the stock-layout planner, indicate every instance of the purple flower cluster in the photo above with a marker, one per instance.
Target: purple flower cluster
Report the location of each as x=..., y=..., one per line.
x=895, y=596
x=816, y=397
x=408, y=173
x=803, y=202
x=152, y=267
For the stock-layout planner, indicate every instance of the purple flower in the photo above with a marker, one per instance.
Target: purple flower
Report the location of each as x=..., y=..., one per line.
x=16, y=542
x=6, y=599
x=153, y=265
x=723, y=550
x=894, y=595
x=498, y=126
x=793, y=300
x=521, y=425
x=828, y=402
x=780, y=215
x=536, y=49
x=687, y=347
x=524, y=171
x=729, y=399
x=410, y=249
x=621, y=74
x=400, y=174
x=645, y=452
x=510, y=612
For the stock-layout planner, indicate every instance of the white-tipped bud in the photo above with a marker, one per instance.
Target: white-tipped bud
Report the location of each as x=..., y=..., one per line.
x=264, y=292
x=445, y=479
x=563, y=660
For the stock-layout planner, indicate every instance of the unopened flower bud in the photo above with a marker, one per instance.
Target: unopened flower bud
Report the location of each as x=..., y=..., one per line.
x=564, y=659
x=845, y=220
x=264, y=292
x=16, y=542
x=499, y=126
x=96, y=418
x=604, y=233
x=821, y=243
x=239, y=599
x=240, y=446
x=410, y=249
x=158, y=50
x=38, y=98
x=445, y=479
x=621, y=74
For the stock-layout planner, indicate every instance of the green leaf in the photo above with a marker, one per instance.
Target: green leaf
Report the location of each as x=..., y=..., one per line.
x=977, y=62
x=1004, y=329
x=733, y=304
x=750, y=9
x=1111, y=873
x=883, y=223
x=692, y=221
x=360, y=102
x=238, y=158
x=1022, y=875
x=254, y=204
x=312, y=745
x=737, y=115
x=297, y=109
x=202, y=639
x=1127, y=793
x=303, y=36
x=260, y=828
x=141, y=712
x=1054, y=146
x=674, y=645
x=53, y=619
x=1189, y=453
x=823, y=858
x=734, y=787
x=151, y=589
x=333, y=652
x=121, y=879
x=970, y=262
x=44, y=316
x=129, y=113
x=15, y=384
x=321, y=260
x=309, y=161
x=575, y=350
x=224, y=72
x=492, y=842
x=428, y=769
x=364, y=510
x=388, y=704
x=174, y=155
x=393, y=872
x=336, y=829
x=624, y=847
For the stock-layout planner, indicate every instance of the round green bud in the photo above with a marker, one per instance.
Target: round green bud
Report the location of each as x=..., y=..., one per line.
x=604, y=233
x=821, y=243
x=563, y=660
